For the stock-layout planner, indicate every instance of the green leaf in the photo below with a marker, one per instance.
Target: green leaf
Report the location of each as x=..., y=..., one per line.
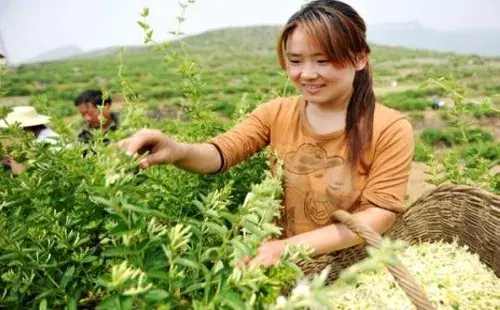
x=207, y=254
x=103, y=280
x=72, y=304
x=233, y=300
x=143, y=25
x=43, y=304
x=67, y=276
x=127, y=303
x=212, y=214
x=119, y=251
x=156, y=294
x=241, y=247
x=121, y=227
x=254, y=229
x=186, y=263
x=145, y=211
x=194, y=287
x=110, y=303
x=158, y=274
x=271, y=228
x=102, y=201
x=193, y=227
x=200, y=206
x=230, y=217
x=116, y=303
x=220, y=230
x=218, y=267
x=4, y=111
x=47, y=293
x=145, y=12
x=89, y=259
x=9, y=256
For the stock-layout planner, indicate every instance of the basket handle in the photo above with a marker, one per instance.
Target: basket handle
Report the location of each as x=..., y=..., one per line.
x=405, y=280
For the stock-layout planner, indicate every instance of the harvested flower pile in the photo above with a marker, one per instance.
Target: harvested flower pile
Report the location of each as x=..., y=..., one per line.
x=452, y=277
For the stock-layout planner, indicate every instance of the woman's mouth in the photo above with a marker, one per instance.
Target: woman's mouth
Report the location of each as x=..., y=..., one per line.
x=313, y=88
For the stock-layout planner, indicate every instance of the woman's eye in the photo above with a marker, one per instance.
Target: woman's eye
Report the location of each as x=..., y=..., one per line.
x=294, y=61
x=324, y=61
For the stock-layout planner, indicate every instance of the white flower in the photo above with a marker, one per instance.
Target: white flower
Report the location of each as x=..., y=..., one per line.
x=281, y=302
x=302, y=290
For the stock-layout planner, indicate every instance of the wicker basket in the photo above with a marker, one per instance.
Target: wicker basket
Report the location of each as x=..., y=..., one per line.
x=466, y=214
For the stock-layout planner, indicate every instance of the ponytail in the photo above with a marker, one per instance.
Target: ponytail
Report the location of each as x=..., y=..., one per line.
x=359, y=118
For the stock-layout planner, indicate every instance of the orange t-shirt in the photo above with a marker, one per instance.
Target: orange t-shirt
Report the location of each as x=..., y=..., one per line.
x=316, y=180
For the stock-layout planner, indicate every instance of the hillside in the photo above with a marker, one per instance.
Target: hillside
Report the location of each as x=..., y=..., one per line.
x=238, y=66
x=82, y=227
x=414, y=35
x=59, y=53
x=234, y=61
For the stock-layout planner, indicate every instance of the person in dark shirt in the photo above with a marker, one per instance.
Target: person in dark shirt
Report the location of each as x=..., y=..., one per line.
x=88, y=103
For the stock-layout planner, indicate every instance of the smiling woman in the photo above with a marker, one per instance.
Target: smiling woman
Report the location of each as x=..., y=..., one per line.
x=340, y=149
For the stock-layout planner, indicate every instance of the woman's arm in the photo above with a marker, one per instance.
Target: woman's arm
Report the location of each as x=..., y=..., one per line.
x=217, y=154
x=327, y=239
x=336, y=237
x=203, y=158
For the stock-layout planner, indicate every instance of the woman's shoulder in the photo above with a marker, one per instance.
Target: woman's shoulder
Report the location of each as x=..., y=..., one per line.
x=283, y=102
x=387, y=120
x=279, y=107
x=385, y=116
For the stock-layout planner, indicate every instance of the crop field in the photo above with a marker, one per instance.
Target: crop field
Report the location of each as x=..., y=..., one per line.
x=85, y=232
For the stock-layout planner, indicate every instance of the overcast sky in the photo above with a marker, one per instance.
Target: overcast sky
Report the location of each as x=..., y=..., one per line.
x=30, y=27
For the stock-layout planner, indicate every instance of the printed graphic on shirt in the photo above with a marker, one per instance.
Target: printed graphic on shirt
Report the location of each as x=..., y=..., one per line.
x=315, y=185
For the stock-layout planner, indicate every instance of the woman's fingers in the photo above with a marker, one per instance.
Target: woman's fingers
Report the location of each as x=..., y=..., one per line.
x=139, y=141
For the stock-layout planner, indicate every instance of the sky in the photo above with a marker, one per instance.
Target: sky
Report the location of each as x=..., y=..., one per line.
x=31, y=27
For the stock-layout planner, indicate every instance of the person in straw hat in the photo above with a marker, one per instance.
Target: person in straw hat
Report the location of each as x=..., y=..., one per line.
x=32, y=122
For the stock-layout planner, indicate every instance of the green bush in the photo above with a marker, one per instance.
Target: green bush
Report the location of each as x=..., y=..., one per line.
x=484, y=150
x=416, y=115
x=422, y=152
x=450, y=137
x=411, y=100
x=484, y=111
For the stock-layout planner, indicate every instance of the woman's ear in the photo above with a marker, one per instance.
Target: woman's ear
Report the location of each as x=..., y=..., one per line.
x=362, y=61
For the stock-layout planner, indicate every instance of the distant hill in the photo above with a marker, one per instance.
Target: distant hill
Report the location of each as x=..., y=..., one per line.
x=262, y=38
x=59, y=53
x=414, y=35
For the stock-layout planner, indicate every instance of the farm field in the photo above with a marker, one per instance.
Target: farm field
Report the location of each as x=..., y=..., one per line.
x=80, y=232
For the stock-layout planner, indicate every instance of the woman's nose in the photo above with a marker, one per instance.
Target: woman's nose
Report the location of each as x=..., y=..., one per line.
x=309, y=72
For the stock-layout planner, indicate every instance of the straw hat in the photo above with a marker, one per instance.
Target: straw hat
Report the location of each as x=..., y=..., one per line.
x=26, y=116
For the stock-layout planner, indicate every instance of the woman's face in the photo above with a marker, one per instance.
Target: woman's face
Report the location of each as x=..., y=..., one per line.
x=319, y=79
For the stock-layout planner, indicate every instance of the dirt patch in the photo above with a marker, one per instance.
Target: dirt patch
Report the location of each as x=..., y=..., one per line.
x=164, y=112
x=383, y=90
x=495, y=170
x=491, y=124
x=430, y=119
x=414, y=61
x=417, y=184
x=14, y=101
x=403, y=73
x=448, y=101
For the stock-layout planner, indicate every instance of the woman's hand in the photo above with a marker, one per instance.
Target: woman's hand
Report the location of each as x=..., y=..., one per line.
x=12, y=165
x=162, y=149
x=268, y=253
